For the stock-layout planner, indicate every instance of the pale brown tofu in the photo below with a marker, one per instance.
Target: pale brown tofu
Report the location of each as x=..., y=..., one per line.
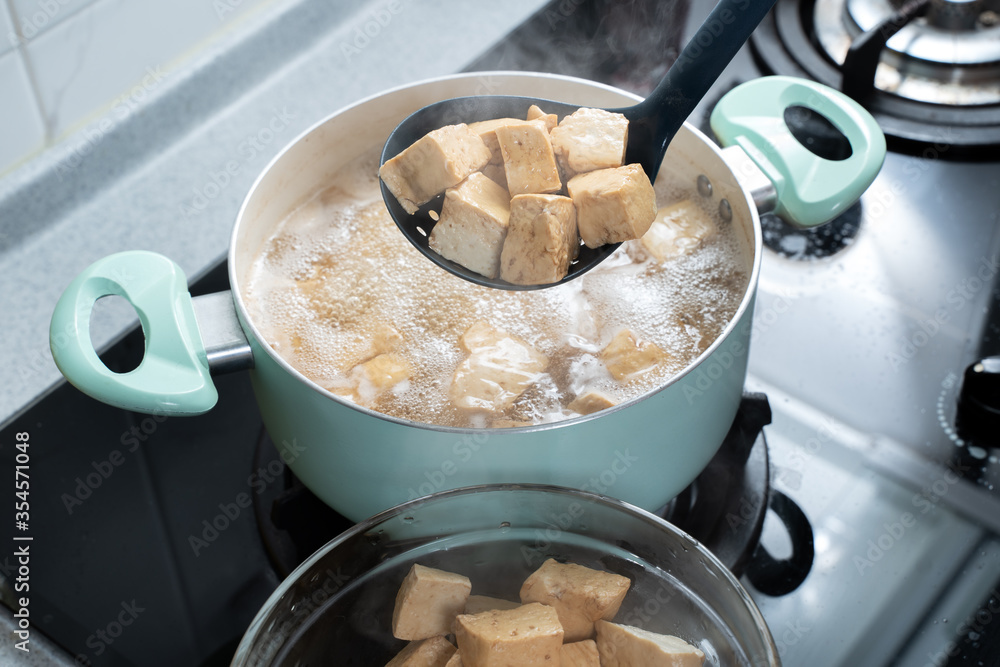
x=439, y=160
x=455, y=660
x=677, y=230
x=487, y=131
x=590, y=402
x=626, y=646
x=385, y=339
x=377, y=375
x=580, y=595
x=496, y=173
x=499, y=368
x=627, y=355
x=528, y=636
x=550, y=119
x=473, y=225
x=590, y=139
x=427, y=602
x=478, y=603
x=580, y=654
x=528, y=160
x=431, y=652
x=612, y=205
x=541, y=240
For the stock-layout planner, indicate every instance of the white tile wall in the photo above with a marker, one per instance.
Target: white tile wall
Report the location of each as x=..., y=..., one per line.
x=8, y=35
x=21, y=129
x=34, y=17
x=91, y=57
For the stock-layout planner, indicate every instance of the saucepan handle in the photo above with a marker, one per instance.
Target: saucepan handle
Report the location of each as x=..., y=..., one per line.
x=810, y=189
x=173, y=377
x=777, y=577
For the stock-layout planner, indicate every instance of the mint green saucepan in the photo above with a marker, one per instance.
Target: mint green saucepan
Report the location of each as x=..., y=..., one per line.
x=360, y=462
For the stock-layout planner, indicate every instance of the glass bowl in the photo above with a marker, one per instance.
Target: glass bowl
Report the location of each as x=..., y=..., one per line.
x=336, y=607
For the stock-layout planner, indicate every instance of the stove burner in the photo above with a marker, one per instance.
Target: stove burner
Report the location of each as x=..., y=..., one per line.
x=724, y=509
x=811, y=244
x=928, y=70
x=943, y=54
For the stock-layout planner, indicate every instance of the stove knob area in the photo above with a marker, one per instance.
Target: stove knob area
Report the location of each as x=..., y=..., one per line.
x=977, y=420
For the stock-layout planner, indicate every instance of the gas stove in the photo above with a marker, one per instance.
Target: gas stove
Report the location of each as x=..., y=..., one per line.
x=872, y=338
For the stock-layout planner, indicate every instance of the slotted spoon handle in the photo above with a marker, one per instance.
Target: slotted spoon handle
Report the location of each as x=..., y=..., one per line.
x=656, y=120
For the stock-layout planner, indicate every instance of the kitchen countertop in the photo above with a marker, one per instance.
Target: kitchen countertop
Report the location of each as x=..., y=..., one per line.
x=170, y=176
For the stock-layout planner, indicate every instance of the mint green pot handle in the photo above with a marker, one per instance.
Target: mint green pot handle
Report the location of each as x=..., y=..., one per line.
x=173, y=377
x=810, y=190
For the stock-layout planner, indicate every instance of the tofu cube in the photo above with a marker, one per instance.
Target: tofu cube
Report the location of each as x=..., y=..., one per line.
x=627, y=355
x=528, y=160
x=478, y=603
x=431, y=652
x=439, y=160
x=580, y=595
x=590, y=402
x=612, y=205
x=590, y=139
x=473, y=225
x=677, y=230
x=499, y=368
x=528, y=636
x=625, y=646
x=427, y=602
x=580, y=654
x=385, y=339
x=487, y=131
x=377, y=375
x=541, y=240
x=455, y=660
x=550, y=119
x=496, y=173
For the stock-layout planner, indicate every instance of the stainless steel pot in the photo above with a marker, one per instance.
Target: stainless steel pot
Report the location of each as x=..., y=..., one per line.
x=360, y=462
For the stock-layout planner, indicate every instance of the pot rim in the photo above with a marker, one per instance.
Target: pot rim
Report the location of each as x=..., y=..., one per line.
x=697, y=549
x=247, y=322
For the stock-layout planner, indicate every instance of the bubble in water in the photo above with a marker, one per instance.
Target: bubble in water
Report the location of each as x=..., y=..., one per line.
x=337, y=269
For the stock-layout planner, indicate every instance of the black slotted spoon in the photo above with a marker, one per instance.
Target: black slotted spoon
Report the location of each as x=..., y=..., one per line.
x=652, y=124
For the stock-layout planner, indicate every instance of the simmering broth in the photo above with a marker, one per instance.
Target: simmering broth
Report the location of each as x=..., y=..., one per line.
x=336, y=274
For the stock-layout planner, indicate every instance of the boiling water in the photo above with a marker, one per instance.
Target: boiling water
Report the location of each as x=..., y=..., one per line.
x=337, y=271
